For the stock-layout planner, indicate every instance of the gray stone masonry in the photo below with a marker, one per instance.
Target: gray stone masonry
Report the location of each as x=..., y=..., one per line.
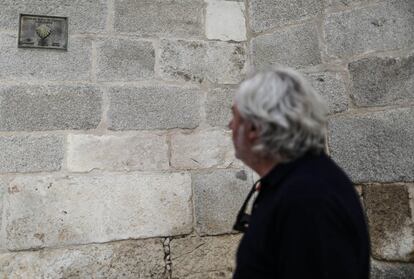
x=125, y=259
x=30, y=153
x=218, y=195
x=374, y=147
x=384, y=270
x=124, y=137
x=390, y=221
x=296, y=46
x=60, y=107
x=60, y=210
x=154, y=107
x=125, y=60
x=332, y=87
x=85, y=16
x=386, y=26
x=383, y=80
x=218, y=106
x=267, y=14
x=180, y=18
x=203, y=257
x=53, y=65
x=218, y=62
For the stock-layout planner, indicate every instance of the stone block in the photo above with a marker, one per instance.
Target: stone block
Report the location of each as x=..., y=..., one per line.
x=218, y=196
x=125, y=259
x=267, y=14
x=385, y=26
x=383, y=270
x=225, y=21
x=204, y=257
x=331, y=86
x=125, y=60
x=33, y=64
x=381, y=81
x=49, y=211
x=31, y=153
x=296, y=46
x=218, y=106
x=180, y=18
x=391, y=221
x=218, y=62
x=142, y=151
x=154, y=107
x=54, y=107
x=374, y=147
x=84, y=16
x=203, y=149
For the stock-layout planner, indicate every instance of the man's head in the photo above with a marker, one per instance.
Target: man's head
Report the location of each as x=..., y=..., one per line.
x=277, y=115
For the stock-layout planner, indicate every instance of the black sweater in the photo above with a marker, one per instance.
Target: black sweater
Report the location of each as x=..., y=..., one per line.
x=307, y=222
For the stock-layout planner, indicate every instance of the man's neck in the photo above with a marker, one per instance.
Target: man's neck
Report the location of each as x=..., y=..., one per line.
x=263, y=167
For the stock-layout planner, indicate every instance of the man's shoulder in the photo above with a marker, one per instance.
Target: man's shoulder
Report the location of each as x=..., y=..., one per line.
x=315, y=177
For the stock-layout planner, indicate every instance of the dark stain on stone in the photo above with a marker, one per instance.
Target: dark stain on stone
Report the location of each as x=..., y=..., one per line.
x=14, y=189
x=40, y=236
x=195, y=45
x=242, y=175
x=378, y=22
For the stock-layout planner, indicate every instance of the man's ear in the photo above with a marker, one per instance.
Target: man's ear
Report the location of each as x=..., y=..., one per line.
x=252, y=132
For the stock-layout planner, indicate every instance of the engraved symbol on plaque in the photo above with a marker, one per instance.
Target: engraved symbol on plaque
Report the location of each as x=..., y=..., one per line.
x=43, y=32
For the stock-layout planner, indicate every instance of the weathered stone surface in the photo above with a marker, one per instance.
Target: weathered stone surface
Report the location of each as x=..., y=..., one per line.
x=125, y=259
x=266, y=14
x=382, y=270
x=225, y=20
x=142, y=151
x=219, y=62
x=154, y=107
x=218, y=196
x=296, y=46
x=387, y=25
x=332, y=88
x=376, y=147
x=218, y=106
x=125, y=60
x=382, y=81
x=391, y=221
x=84, y=15
x=3, y=189
x=206, y=257
x=47, y=211
x=181, y=18
x=31, y=153
x=32, y=64
x=31, y=108
x=203, y=149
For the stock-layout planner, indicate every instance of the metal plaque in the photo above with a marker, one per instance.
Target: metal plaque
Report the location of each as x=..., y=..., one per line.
x=43, y=32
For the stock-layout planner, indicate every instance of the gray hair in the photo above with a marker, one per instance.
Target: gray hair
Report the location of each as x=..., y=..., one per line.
x=290, y=115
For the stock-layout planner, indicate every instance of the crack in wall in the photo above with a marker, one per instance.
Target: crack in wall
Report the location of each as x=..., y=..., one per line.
x=167, y=258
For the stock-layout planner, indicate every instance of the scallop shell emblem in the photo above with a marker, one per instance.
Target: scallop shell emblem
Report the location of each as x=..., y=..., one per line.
x=43, y=31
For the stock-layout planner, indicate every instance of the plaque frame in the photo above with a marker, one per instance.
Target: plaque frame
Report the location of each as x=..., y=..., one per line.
x=62, y=34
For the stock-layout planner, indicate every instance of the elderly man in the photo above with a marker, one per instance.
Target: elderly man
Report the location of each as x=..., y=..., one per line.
x=306, y=220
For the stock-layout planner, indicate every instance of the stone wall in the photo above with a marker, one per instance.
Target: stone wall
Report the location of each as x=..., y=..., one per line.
x=116, y=161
